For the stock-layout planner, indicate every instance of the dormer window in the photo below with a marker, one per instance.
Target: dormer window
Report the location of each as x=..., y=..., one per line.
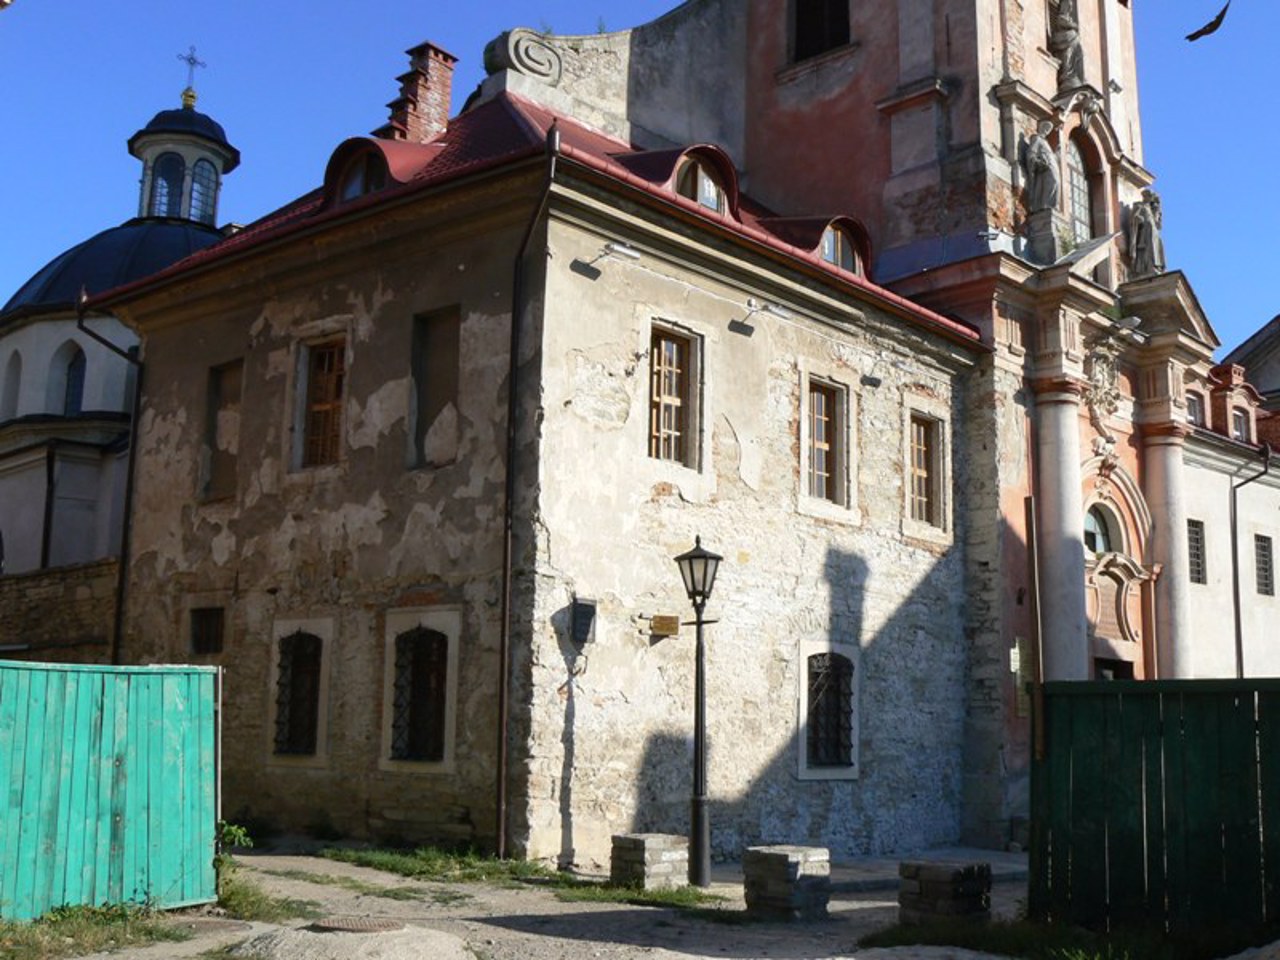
x=838, y=249
x=204, y=192
x=1195, y=409
x=166, y=185
x=365, y=174
x=819, y=26
x=698, y=182
x=1240, y=425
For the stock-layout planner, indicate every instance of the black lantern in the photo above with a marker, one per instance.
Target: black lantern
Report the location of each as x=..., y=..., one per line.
x=698, y=568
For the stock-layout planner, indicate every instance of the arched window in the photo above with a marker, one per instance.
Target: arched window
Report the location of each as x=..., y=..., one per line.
x=1080, y=202
x=418, y=708
x=698, y=182
x=829, y=724
x=298, y=694
x=819, y=26
x=12, y=383
x=73, y=394
x=166, y=185
x=204, y=192
x=1098, y=537
x=838, y=249
x=364, y=174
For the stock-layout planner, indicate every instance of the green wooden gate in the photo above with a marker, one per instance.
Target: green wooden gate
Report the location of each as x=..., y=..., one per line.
x=109, y=783
x=1157, y=802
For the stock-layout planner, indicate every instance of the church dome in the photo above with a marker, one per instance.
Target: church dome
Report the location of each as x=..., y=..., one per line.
x=120, y=255
x=188, y=121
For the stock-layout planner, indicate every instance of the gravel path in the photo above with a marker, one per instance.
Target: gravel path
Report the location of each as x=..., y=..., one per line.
x=482, y=922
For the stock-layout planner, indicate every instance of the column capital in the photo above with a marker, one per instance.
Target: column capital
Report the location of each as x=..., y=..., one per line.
x=1060, y=389
x=1169, y=432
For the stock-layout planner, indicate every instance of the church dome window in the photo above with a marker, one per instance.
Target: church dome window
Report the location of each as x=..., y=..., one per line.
x=204, y=192
x=698, y=182
x=365, y=174
x=166, y=186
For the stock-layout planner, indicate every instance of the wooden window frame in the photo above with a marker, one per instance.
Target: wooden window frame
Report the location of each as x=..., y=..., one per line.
x=674, y=384
x=922, y=470
x=323, y=401
x=826, y=442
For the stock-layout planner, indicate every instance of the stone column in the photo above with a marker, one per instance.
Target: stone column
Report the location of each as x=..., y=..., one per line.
x=1060, y=511
x=1163, y=455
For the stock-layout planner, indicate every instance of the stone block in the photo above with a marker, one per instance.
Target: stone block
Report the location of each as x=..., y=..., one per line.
x=787, y=882
x=650, y=861
x=941, y=889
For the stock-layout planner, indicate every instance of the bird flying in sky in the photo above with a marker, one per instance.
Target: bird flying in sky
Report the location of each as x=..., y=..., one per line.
x=1211, y=26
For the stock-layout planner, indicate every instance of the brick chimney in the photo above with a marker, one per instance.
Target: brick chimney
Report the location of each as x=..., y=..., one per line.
x=421, y=112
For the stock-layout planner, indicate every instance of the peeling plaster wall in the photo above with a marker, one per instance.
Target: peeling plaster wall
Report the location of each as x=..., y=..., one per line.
x=610, y=749
x=339, y=545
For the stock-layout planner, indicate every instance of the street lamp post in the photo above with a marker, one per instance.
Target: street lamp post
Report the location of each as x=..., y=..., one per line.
x=698, y=568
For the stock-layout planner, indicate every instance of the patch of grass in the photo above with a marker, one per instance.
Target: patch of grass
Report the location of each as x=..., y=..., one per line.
x=442, y=866
x=349, y=883
x=245, y=900
x=585, y=891
x=1038, y=941
x=76, y=931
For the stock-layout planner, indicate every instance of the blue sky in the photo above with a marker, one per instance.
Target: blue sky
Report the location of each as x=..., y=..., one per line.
x=290, y=79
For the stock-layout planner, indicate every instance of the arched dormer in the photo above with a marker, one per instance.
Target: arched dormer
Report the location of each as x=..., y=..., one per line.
x=841, y=242
x=706, y=176
x=365, y=165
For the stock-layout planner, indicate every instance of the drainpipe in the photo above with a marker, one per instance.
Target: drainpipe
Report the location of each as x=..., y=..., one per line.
x=1235, y=556
x=122, y=577
x=508, y=501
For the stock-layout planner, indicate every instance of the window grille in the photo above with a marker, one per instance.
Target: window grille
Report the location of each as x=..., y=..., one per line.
x=1195, y=552
x=1264, y=564
x=418, y=714
x=206, y=630
x=298, y=694
x=326, y=376
x=669, y=399
x=829, y=727
x=924, y=487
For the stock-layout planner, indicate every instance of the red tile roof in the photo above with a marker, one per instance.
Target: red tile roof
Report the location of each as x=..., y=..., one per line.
x=507, y=129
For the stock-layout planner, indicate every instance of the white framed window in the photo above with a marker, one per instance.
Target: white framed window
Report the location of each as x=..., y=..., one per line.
x=420, y=681
x=1240, y=425
x=1195, y=409
x=298, y=692
x=827, y=445
x=828, y=711
x=674, y=396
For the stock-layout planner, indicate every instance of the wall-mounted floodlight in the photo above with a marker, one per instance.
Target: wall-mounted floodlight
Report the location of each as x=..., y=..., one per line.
x=769, y=307
x=616, y=248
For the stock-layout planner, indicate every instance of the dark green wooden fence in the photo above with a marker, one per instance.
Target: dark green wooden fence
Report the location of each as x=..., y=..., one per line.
x=1157, y=802
x=108, y=786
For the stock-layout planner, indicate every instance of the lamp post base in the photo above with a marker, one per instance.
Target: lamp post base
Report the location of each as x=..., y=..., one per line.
x=700, y=845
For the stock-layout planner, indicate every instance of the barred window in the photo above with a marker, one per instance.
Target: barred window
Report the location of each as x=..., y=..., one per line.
x=1199, y=570
x=1264, y=565
x=298, y=694
x=326, y=375
x=829, y=725
x=206, y=630
x=924, y=491
x=421, y=675
x=671, y=397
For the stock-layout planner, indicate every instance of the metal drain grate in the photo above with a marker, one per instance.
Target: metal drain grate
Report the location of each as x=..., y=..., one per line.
x=356, y=925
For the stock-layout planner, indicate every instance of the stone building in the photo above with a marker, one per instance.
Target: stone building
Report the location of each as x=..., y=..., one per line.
x=837, y=291
x=66, y=391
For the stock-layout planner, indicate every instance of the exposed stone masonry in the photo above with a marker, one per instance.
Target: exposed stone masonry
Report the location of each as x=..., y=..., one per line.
x=73, y=605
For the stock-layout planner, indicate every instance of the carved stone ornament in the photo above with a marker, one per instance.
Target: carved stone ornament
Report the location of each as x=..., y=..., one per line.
x=524, y=51
x=1102, y=394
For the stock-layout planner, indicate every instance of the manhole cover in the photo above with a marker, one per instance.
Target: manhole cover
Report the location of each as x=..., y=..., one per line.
x=356, y=925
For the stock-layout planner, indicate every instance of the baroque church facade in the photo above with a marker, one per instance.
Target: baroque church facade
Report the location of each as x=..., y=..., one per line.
x=874, y=305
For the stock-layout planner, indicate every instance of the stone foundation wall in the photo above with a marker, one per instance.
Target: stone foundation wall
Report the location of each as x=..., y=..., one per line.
x=63, y=615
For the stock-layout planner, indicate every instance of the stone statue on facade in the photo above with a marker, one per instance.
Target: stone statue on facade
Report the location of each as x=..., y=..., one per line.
x=1064, y=40
x=1146, y=249
x=1042, y=171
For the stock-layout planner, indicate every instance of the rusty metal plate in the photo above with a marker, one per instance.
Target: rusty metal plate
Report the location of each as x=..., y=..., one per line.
x=356, y=925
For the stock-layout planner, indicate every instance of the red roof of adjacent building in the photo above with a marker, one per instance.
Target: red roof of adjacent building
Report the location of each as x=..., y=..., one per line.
x=505, y=130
